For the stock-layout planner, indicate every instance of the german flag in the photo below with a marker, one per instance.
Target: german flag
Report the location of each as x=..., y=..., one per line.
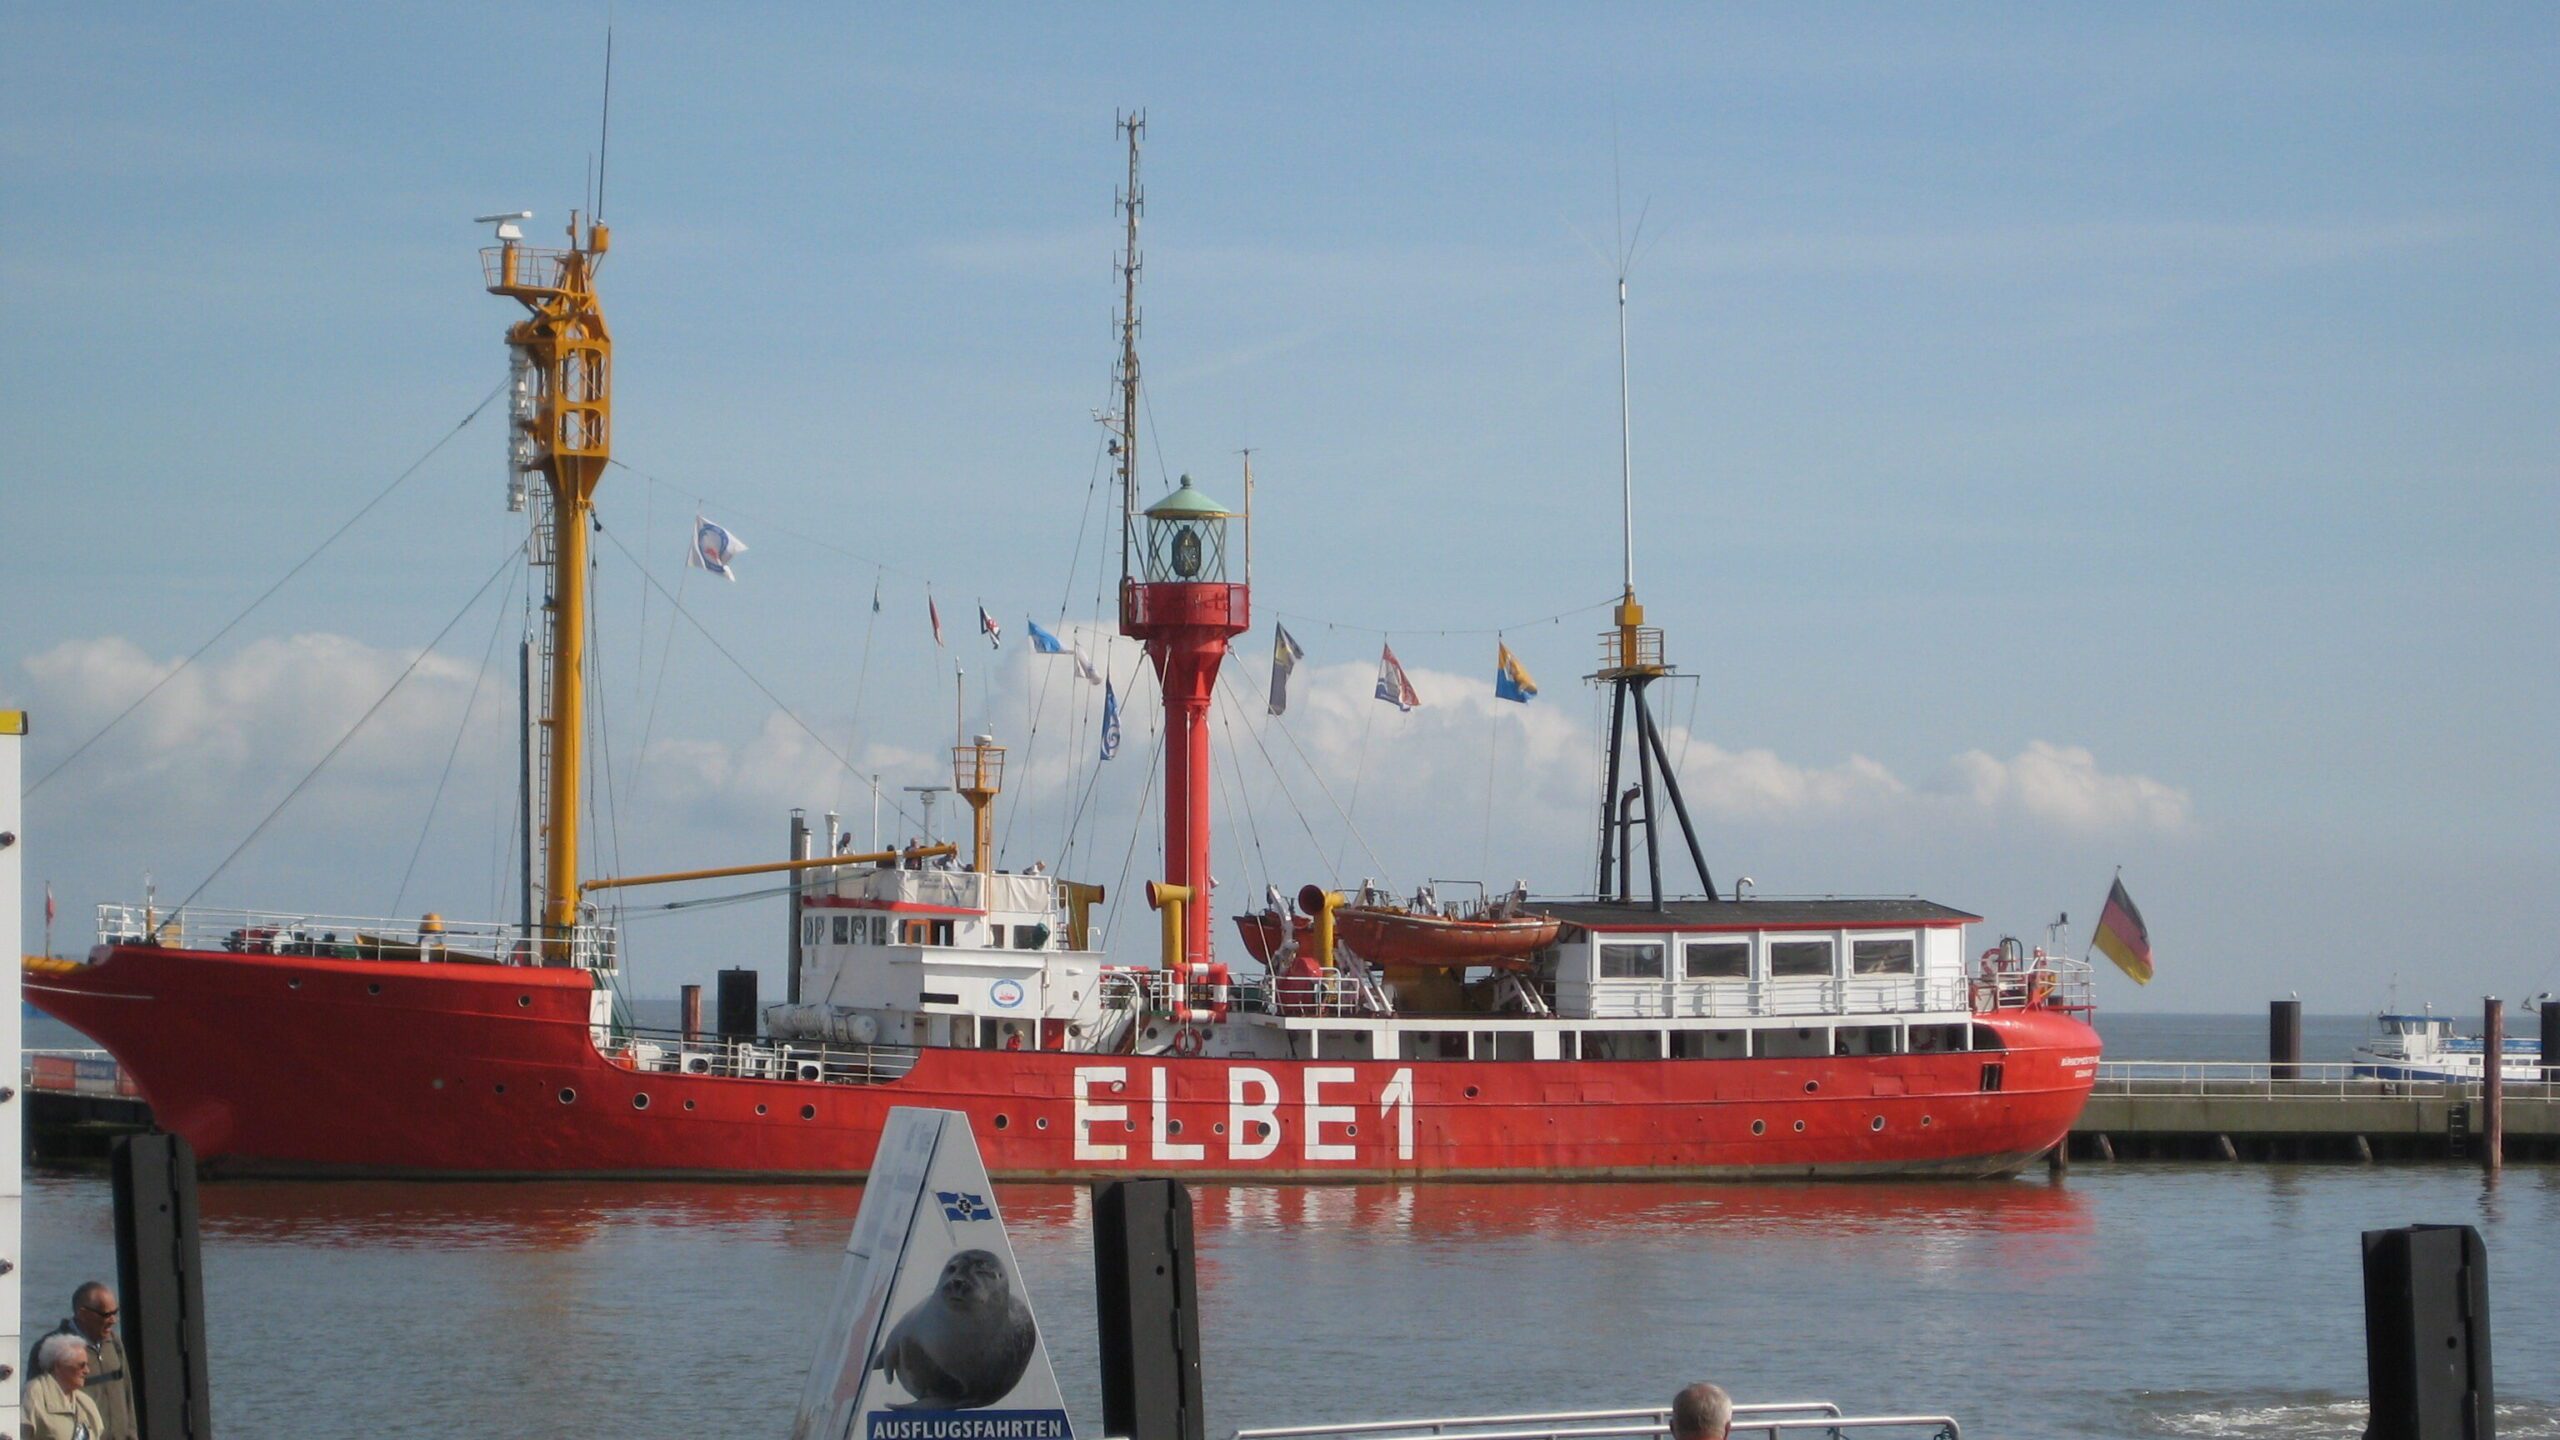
x=2122, y=935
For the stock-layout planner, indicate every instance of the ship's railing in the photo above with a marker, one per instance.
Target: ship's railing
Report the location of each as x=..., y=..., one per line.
x=1163, y=993
x=671, y=1052
x=532, y=269
x=1816, y=1416
x=2258, y=1079
x=345, y=937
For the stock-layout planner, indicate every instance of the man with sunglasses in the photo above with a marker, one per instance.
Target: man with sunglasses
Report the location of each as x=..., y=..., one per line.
x=93, y=1319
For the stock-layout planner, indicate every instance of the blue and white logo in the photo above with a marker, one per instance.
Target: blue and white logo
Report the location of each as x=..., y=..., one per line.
x=1005, y=994
x=961, y=1205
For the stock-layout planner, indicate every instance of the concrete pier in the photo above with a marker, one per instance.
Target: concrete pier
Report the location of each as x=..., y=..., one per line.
x=2228, y=1115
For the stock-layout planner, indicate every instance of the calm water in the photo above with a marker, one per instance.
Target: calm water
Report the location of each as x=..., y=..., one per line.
x=2131, y=1300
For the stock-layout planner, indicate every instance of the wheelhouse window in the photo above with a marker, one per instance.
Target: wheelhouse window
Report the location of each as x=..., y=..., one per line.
x=844, y=929
x=1800, y=959
x=1631, y=962
x=1718, y=959
x=1881, y=957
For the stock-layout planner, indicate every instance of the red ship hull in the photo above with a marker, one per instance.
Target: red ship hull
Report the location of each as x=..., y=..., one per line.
x=300, y=1066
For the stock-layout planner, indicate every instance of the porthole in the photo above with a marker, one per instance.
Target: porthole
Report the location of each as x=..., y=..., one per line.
x=1119, y=1085
x=1003, y=1122
x=1924, y=1122
x=524, y=1002
x=436, y=1084
x=759, y=1109
x=1759, y=1127
x=1042, y=1123
x=688, y=1104
x=1261, y=1129
x=1812, y=1085
x=568, y=1096
x=1876, y=1124
x=502, y=1087
x=640, y=1101
x=1173, y=1127
x=373, y=989
x=294, y=983
x=1799, y=1127
x=808, y=1112
x=1472, y=1092
x=1351, y=1130
x=1218, y=1127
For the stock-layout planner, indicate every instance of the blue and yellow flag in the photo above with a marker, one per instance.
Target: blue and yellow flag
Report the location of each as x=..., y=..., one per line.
x=1510, y=680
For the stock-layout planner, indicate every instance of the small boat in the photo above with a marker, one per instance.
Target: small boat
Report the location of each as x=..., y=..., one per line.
x=2424, y=1047
x=1389, y=935
x=1422, y=934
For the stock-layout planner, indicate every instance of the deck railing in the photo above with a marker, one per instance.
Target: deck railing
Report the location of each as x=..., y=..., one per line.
x=345, y=937
x=670, y=1052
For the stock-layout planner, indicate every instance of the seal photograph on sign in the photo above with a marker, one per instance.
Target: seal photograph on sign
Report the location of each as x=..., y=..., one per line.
x=965, y=1345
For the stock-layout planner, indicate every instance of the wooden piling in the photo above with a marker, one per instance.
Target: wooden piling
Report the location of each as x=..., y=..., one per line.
x=2493, y=1082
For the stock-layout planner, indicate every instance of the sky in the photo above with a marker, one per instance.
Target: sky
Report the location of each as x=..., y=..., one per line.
x=2064, y=439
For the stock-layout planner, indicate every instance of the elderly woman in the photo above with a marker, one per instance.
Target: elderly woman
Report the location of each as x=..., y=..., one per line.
x=55, y=1407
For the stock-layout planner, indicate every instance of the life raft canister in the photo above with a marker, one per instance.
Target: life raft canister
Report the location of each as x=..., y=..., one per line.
x=1206, y=991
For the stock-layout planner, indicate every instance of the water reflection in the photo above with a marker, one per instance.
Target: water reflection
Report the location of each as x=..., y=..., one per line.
x=561, y=1215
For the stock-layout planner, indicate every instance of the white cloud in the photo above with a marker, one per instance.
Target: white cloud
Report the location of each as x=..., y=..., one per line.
x=2062, y=785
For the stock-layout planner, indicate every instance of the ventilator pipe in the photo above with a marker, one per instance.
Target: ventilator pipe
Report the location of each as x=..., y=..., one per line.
x=1319, y=903
x=1170, y=899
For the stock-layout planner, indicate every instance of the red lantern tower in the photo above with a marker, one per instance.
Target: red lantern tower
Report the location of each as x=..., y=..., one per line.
x=1182, y=605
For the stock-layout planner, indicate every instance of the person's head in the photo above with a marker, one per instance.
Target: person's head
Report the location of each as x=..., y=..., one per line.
x=1701, y=1412
x=65, y=1358
x=93, y=1309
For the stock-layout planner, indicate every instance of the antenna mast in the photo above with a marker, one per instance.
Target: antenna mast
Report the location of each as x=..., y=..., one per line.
x=1133, y=203
x=1626, y=453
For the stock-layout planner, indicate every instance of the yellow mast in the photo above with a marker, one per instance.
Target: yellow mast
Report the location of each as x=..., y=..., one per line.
x=564, y=433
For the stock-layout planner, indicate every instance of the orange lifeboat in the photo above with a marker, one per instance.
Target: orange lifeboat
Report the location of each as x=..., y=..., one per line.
x=1386, y=935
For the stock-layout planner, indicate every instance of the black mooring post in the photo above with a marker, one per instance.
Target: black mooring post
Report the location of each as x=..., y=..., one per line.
x=1149, y=1304
x=2284, y=1039
x=160, y=1281
x=2426, y=1334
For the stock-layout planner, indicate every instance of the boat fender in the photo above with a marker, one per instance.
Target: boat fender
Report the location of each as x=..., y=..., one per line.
x=1219, y=980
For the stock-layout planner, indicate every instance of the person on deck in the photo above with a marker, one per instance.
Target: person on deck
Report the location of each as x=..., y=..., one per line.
x=109, y=1384
x=1701, y=1412
x=55, y=1405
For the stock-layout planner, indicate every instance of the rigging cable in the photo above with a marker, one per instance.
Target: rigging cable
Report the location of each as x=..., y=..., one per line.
x=741, y=666
x=352, y=731
x=1040, y=704
x=1334, y=872
x=488, y=653
x=269, y=593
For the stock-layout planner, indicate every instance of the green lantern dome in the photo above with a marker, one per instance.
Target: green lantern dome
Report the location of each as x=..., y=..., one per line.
x=1187, y=502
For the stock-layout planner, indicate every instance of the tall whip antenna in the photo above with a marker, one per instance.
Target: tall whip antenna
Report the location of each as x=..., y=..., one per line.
x=1133, y=203
x=604, y=129
x=1626, y=413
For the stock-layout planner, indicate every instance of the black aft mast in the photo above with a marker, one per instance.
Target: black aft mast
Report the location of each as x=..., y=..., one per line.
x=1631, y=660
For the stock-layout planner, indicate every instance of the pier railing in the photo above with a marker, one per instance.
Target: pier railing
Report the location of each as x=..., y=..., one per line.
x=344, y=937
x=1810, y=1416
x=2288, y=1080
